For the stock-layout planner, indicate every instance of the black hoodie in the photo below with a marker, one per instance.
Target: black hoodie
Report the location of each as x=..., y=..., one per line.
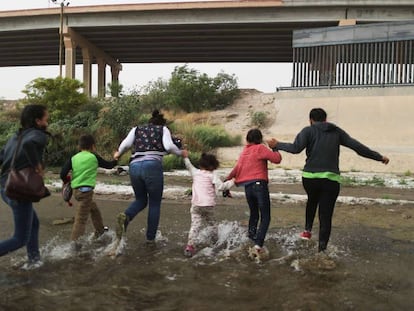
x=322, y=141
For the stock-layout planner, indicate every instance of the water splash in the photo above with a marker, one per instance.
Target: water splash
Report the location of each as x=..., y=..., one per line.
x=222, y=241
x=87, y=246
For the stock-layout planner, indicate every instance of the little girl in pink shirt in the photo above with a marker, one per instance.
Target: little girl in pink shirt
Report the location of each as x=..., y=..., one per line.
x=206, y=184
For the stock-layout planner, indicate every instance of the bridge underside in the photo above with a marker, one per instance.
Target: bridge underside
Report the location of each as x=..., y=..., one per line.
x=222, y=31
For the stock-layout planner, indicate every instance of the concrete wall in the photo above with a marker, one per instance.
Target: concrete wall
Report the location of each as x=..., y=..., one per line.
x=381, y=118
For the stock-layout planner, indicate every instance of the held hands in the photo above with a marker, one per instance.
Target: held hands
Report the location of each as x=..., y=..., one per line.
x=116, y=155
x=385, y=160
x=272, y=142
x=184, y=153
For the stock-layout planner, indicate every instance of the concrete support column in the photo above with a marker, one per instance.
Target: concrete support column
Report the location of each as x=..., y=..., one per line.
x=115, y=73
x=87, y=71
x=101, y=77
x=70, y=57
x=115, y=89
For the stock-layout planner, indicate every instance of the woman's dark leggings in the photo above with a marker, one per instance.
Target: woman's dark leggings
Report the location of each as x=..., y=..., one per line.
x=321, y=192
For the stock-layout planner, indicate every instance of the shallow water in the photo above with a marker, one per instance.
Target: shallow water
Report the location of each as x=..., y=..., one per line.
x=364, y=269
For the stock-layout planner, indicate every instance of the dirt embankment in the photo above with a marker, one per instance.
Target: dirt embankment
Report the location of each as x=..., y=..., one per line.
x=381, y=122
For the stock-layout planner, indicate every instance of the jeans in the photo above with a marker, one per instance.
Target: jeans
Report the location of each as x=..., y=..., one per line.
x=258, y=199
x=323, y=193
x=26, y=229
x=147, y=180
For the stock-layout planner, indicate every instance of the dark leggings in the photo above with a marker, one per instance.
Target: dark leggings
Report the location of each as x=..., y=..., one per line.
x=321, y=192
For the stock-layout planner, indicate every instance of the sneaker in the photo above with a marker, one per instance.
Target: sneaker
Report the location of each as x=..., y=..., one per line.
x=32, y=264
x=306, y=235
x=189, y=251
x=121, y=221
x=98, y=234
x=258, y=253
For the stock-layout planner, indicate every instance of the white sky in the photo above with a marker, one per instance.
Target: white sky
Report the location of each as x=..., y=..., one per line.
x=261, y=76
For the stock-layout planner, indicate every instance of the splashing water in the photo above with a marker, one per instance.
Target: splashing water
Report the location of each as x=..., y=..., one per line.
x=223, y=240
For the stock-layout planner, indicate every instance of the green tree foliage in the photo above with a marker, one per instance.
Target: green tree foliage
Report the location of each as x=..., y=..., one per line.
x=155, y=95
x=67, y=130
x=62, y=96
x=110, y=119
x=190, y=91
x=121, y=114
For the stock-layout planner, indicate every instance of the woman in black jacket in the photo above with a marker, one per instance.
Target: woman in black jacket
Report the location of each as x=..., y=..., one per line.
x=321, y=175
x=34, y=121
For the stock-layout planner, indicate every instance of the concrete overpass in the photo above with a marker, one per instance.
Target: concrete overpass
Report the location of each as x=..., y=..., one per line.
x=220, y=31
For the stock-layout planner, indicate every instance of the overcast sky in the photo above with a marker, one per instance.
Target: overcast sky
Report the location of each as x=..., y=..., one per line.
x=261, y=76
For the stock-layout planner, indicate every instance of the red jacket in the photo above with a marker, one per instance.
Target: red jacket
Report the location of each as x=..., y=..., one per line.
x=252, y=163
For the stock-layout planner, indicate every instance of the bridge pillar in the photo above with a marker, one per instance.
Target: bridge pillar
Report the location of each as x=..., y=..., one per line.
x=87, y=71
x=115, y=69
x=101, y=77
x=70, y=57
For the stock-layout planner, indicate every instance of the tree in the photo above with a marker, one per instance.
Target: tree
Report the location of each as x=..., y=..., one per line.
x=62, y=96
x=190, y=91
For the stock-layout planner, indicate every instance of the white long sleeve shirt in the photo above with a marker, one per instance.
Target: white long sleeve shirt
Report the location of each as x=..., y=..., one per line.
x=167, y=142
x=206, y=184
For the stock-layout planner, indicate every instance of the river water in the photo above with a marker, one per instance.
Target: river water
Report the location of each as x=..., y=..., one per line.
x=364, y=268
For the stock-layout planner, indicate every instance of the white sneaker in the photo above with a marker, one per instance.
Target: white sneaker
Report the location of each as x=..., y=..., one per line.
x=31, y=265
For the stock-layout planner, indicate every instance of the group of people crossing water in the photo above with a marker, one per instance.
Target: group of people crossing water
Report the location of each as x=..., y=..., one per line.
x=148, y=144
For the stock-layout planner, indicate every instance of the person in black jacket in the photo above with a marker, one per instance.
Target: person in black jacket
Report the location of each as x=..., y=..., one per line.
x=321, y=175
x=34, y=121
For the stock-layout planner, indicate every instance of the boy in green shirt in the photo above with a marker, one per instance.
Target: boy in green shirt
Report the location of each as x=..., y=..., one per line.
x=84, y=166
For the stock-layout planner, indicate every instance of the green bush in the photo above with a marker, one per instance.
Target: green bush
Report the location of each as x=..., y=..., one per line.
x=7, y=129
x=171, y=162
x=211, y=137
x=259, y=119
x=203, y=137
x=121, y=114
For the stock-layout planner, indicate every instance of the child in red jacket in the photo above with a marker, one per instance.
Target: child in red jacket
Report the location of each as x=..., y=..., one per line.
x=251, y=172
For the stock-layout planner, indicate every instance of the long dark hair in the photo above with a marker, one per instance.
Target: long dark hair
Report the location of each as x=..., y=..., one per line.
x=30, y=114
x=157, y=118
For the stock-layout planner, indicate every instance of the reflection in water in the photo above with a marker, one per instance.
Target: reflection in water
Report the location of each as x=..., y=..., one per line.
x=376, y=275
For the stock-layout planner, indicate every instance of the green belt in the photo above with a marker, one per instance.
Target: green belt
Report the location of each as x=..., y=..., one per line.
x=327, y=175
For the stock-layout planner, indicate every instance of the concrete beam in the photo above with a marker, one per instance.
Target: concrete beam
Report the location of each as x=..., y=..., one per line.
x=383, y=32
x=84, y=43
